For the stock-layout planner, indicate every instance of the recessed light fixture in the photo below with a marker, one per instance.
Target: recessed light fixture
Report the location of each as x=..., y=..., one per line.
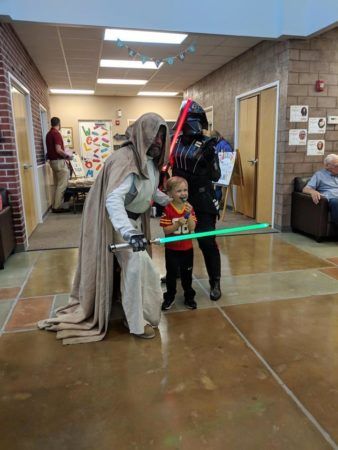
x=157, y=94
x=120, y=81
x=72, y=91
x=127, y=64
x=113, y=34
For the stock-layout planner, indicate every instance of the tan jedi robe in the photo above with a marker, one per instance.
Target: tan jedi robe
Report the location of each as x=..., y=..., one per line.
x=86, y=317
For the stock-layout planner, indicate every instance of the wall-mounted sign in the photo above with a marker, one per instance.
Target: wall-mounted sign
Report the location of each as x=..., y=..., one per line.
x=315, y=147
x=317, y=125
x=297, y=137
x=299, y=113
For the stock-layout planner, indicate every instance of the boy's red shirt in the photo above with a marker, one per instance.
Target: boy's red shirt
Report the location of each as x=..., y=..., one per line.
x=169, y=217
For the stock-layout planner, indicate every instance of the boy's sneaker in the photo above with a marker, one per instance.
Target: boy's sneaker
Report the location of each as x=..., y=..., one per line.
x=190, y=303
x=167, y=304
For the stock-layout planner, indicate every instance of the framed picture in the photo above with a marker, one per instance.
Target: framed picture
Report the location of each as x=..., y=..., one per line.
x=67, y=135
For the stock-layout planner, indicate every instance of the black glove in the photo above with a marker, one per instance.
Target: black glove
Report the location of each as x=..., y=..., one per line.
x=136, y=240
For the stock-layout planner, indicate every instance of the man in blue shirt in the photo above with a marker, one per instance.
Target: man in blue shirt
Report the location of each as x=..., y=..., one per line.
x=325, y=183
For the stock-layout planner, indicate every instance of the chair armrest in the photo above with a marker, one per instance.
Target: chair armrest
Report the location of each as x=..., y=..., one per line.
x=308, y=217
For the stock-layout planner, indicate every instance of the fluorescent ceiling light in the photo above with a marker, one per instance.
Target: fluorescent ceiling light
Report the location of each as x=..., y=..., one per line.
x=113, y=34
x=127, y=64
x=72, y=91
x=158, y=94
x=119, y=81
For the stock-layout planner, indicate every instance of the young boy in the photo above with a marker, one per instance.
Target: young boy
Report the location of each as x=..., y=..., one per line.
x=178, y=218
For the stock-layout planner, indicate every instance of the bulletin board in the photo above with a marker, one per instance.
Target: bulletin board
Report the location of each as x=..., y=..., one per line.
x=95, y=144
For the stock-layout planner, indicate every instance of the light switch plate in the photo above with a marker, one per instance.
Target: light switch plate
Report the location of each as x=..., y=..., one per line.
x=332, y=120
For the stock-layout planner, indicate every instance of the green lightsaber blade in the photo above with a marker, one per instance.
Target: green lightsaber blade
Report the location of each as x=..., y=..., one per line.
x=184, y=237
x=221, y=232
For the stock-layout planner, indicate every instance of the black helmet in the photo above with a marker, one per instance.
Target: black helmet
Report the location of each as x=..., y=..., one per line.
x=195, y=122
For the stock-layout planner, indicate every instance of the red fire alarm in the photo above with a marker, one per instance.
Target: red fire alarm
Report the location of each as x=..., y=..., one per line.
x=320, y=84
x=117, y=122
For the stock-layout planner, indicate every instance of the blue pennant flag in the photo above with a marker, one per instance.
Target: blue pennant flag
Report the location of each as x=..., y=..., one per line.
x=132, y=52
x=191, y=48
x=120, y=44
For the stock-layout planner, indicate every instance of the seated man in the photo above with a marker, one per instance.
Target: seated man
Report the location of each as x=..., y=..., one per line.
x=325, y=183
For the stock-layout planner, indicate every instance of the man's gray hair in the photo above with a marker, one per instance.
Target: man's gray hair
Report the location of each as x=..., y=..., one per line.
x=330, y=159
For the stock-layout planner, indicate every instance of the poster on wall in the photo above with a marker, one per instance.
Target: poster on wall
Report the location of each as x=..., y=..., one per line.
x=95, y=144
x=297, y=137
x=317, y=125
x=226, y=163
x=67, y=136
x=299, y=113
x=315, y=147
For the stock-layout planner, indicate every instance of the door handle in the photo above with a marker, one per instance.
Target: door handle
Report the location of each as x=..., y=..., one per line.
x=253, y=161
x=27, y=166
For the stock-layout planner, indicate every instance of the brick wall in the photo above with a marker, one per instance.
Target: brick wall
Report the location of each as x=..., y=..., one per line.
x=297, y=64
x=263, y=64
x=310, y=60
x=15, y=59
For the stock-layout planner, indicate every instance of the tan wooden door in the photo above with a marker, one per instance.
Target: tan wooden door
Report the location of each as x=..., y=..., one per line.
x=25, y=158
x=266, y=155
x=247, y=146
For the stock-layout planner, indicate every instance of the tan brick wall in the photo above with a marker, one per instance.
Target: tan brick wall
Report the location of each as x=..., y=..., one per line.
x=265, y=63
x=297, y=64
x=15, y=59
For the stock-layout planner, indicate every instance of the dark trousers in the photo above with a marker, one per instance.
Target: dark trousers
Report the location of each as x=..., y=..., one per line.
x=333, y=205
x=208, y=245
x=181, y=260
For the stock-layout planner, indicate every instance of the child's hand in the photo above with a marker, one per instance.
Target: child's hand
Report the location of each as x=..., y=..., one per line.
x=188, y=207
x=182, y=221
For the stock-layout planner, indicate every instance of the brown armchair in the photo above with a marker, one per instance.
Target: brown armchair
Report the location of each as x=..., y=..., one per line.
x=7, y=239
x=309, y=218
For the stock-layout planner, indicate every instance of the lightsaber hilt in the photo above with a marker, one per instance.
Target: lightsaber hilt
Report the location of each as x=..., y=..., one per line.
x=125, y=245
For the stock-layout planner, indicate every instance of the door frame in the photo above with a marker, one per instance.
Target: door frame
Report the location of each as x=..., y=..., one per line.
x=14, y=82
x=208, y=110
x=248, y=94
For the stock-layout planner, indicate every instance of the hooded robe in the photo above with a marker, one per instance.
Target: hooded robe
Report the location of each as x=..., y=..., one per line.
x=86, y=317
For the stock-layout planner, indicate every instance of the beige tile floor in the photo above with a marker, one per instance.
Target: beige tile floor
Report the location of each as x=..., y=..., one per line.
x=256, y=370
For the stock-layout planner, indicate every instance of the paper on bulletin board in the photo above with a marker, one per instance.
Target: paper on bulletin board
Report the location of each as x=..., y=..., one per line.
x=67, y=136
x=95, y=144
x=299, y=113
x=297, y=137
x=317, y=125
x=315, y=147
x=226, y=162
x=77, y=166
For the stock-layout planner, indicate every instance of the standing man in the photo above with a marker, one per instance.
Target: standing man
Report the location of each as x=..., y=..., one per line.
x=195, y=159
x=117, y=209
x=57, y=160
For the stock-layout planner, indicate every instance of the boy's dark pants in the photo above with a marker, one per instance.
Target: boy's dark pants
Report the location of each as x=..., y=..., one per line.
x=182, y=261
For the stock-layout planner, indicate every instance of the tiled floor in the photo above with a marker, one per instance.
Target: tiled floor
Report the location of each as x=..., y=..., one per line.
x=256, y=370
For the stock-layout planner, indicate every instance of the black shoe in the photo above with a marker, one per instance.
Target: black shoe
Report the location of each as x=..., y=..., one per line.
x=215, y=290
x=60, y=210
x=167, y=303
x=190, y=303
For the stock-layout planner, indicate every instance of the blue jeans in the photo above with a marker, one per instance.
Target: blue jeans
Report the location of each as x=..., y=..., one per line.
x=333, y=205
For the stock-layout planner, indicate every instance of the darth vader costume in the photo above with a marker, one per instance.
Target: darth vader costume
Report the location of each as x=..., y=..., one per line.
x=194, y=158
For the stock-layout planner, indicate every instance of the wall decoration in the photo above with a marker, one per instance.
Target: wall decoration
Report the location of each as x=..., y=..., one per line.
x=299, y=113
x=297, y=137
x=315, y=147
x=317, y=125
x=95, y=144
x=67, y=136
x=158, y=61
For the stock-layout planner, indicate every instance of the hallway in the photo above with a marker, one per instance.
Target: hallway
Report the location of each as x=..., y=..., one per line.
x=256, y=370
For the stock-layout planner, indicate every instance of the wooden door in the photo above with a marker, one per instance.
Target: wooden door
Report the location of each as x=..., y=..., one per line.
x=247, y=145
x=266, y=155
x=25, y=159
